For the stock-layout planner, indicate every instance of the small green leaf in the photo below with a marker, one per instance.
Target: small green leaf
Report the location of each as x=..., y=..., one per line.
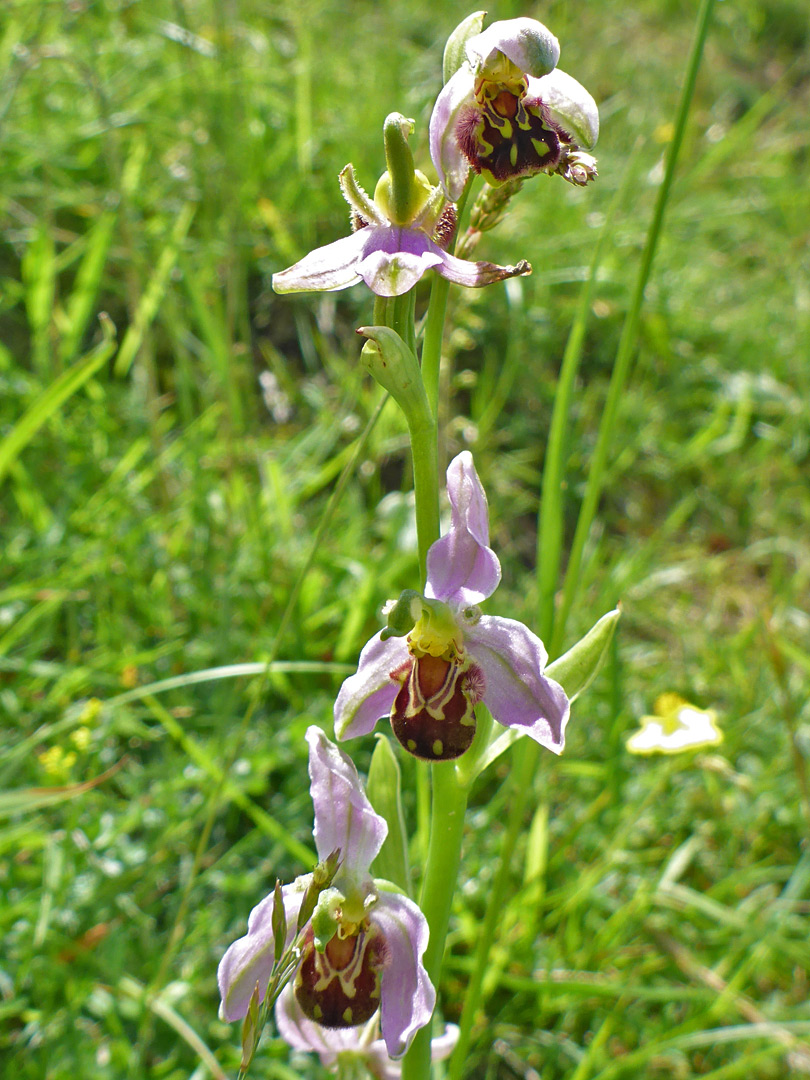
x=575, y=669
x=384, y=789
x=279, y=922
x=395, y=367
x=250, y=1029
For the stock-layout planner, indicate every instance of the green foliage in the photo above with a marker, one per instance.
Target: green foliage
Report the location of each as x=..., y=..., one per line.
x=159, y=162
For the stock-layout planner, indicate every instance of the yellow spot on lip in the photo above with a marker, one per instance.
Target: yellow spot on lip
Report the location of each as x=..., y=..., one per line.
x=318, y=1011
x=438, y=747
x=347, y=1014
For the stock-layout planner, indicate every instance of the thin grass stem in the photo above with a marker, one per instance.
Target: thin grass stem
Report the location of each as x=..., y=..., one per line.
x=627, y=343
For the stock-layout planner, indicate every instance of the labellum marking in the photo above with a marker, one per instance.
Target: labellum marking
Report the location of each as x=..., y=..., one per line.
x=506, y=136
x=433, y=713
x=340, y=987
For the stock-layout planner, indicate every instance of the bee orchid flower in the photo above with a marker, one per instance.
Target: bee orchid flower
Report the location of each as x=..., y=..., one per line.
x=362, y=948
x=439, y=655
x=508, y=112
x=397, y=236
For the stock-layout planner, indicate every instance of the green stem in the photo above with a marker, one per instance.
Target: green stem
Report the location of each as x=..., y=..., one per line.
x=424, y=452
x=432, y=343
x=434, y=320
x=441, y=871
x=449, y=795
x=397, y=313
x=521, y=779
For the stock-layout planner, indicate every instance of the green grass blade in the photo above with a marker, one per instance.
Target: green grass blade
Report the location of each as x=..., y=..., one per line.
x=53, y=398
x=225, y=787
x=39, y=277
x=627, y=342
x=550, y=517
x=26, y=800
x=88, y=282
x=153, y=294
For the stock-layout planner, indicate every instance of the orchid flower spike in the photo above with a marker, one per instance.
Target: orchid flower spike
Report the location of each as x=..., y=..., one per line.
x=508, y=112
x=439, y=655
x=398, y=236
x=349, y=1046
x=362, y=948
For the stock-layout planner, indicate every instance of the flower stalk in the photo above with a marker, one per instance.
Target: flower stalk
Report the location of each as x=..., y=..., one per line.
x=448, y=811
x=363, y=959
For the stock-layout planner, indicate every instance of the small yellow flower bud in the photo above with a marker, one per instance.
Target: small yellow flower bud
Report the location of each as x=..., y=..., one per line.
x=80, y=737
x=90, y=712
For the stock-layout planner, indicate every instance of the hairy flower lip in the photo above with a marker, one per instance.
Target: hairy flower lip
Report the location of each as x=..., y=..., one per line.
x=345, y=820
x=463, y=571
x=433, y=713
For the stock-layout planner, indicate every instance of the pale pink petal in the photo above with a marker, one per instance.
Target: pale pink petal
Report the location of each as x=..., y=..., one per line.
x=448, y=160
x=368, y=695
x=461, y=567
x=325, y=269
x=344, y=818
x=442, y=1046
x=250, y=959
x=390, y=270
x=517, y=693
x=382, y=1066
x=530, y=46
x=570, y=106
x=407, y=994
x=474, y=275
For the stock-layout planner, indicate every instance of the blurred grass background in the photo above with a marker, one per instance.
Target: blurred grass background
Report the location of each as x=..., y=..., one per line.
x=159, y=162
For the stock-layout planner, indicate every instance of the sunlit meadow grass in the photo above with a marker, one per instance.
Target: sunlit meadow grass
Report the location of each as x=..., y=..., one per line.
x=161, y=501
